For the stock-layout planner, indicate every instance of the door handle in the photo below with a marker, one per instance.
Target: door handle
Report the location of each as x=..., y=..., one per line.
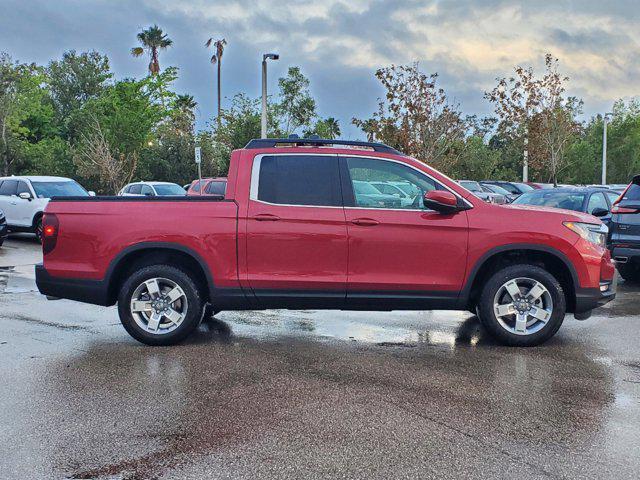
x=365, y=222
x=265, y=217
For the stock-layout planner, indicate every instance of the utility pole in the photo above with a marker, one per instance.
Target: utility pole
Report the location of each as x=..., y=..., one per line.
x=525, y=163
x=604, y=148
x=263, y=123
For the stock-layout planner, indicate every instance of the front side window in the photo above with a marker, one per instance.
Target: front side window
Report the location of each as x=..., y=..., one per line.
x=169, y=189
x=304, y=180
x=135, y=189
x=370, y=176
x=196, y=186
x=146, y=190
x=23, y=188
x=596, y=201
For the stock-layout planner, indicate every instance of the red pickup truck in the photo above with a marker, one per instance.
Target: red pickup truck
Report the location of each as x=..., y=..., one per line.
x=301, y=226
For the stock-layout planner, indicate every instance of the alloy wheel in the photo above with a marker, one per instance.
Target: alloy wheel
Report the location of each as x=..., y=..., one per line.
x=523, y=306
x=159, y=305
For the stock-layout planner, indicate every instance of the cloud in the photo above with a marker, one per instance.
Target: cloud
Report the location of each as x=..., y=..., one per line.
x=340, y=43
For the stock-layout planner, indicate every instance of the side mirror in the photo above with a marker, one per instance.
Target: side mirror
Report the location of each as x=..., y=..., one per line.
x=92, y=193
x=441, y=201
x=600, y=212
x=25, y=196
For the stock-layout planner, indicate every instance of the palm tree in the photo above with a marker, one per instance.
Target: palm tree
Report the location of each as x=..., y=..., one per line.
x=217, y=58
x=152, y=40
x=332, y=128
x=184, y=116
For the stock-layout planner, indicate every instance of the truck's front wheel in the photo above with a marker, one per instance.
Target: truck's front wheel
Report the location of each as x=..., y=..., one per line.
x=522, y=305
x=160, y=305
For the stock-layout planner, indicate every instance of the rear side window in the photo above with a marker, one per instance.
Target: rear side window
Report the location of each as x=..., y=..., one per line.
x=135, y=189
x=9, y=187
x=216, y=188
x=633, y=193
x=300, y=180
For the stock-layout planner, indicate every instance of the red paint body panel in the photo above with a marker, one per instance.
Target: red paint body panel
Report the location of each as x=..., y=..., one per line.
x=317, y=248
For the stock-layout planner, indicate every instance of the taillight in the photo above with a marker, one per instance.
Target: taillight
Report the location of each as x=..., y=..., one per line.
x=619, y=209
x=50, y=230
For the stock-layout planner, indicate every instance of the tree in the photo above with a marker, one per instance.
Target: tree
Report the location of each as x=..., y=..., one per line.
x=152, y=40
x=295, y=108
x=416, y=116
x=115, y=128
x=75, y=79
x=535, y=109
x=324, y=128
x=216, y=58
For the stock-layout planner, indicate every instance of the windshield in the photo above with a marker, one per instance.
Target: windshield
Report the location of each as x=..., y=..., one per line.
x=471, y=186
x=546, y=198
x=365, y=188
x=523, y=187
x=58, y=189
x=169, y=189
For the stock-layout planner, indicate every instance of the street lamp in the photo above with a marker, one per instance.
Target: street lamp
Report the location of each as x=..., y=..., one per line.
x=265, y=57
x=604, y=148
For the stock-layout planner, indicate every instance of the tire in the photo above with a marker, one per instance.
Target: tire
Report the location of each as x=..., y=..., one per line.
x=157, y=318
x=209, y=311
x=534, y=285
x=37, y=228
x=630, y=272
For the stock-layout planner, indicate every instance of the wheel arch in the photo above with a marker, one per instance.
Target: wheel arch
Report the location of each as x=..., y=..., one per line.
x=549, y=258
x=149, y=253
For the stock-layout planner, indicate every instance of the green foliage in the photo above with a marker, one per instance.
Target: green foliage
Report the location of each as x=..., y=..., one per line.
x=296, y=108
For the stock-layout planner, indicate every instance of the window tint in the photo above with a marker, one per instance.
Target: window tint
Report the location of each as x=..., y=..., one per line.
x=597, y=200
x=58, y=189
x=633, y=193
x=23, y=188
x=146, y=190
x=551, y=198
x=368, y=176
x=196, y=186
x=300, y=180
x=135, y=188
x=216, y=188
x=9, y=187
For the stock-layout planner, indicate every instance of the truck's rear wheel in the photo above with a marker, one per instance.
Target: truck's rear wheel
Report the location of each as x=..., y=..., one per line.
x=522, y=305
x=160, y=305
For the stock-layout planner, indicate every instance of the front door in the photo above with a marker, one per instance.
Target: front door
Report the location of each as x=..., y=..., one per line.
x=400, y=250
x=296, y=232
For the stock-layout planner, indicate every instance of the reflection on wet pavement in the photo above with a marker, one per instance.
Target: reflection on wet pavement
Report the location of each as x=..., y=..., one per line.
x=289, y=394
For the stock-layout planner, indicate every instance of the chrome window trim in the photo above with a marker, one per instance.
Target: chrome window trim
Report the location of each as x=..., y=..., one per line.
x=255, y=182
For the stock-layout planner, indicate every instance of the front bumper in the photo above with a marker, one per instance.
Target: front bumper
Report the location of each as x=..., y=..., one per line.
x=589, y=298
x=81, y=290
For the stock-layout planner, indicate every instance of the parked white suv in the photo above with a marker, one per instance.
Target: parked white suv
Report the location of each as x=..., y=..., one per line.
x=23, y=199
x=152, y=189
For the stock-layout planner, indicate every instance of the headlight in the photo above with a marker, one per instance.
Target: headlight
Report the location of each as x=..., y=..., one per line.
x=596, y=234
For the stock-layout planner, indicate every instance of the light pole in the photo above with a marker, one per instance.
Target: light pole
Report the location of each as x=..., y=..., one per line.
x=263, y=123
x=604, y=148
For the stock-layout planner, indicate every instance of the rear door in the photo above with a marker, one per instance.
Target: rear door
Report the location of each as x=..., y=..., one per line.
x=626, y=216
x=296, y=231
x=408, y=252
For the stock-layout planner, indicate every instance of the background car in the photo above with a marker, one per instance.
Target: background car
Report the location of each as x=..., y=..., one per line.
x=23, y=199
x=477, y=190
x=208, y=186
x=594, y=201
x=499, y=190
x=388, y=188
x=514, y=188
x=368, y=195
x=540, y=186
x=4, y=231
x=152, y=189
x=624, y=232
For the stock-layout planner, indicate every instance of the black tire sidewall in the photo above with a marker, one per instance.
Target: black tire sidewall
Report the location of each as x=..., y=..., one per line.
x=630, y=273
x=487, y=314
x=194, y=310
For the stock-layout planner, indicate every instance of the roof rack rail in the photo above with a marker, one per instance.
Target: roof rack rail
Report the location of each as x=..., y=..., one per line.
x=317, y=142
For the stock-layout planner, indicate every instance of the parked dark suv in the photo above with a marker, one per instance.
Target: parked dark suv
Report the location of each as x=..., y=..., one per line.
x=624, y=232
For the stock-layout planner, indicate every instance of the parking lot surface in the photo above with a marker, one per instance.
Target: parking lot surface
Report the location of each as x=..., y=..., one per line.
x=284, y=394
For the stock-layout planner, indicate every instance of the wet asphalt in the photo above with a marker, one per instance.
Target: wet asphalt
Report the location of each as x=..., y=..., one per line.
x=284, y=394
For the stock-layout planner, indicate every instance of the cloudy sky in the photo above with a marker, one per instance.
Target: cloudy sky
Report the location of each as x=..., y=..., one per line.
x=340, y=43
